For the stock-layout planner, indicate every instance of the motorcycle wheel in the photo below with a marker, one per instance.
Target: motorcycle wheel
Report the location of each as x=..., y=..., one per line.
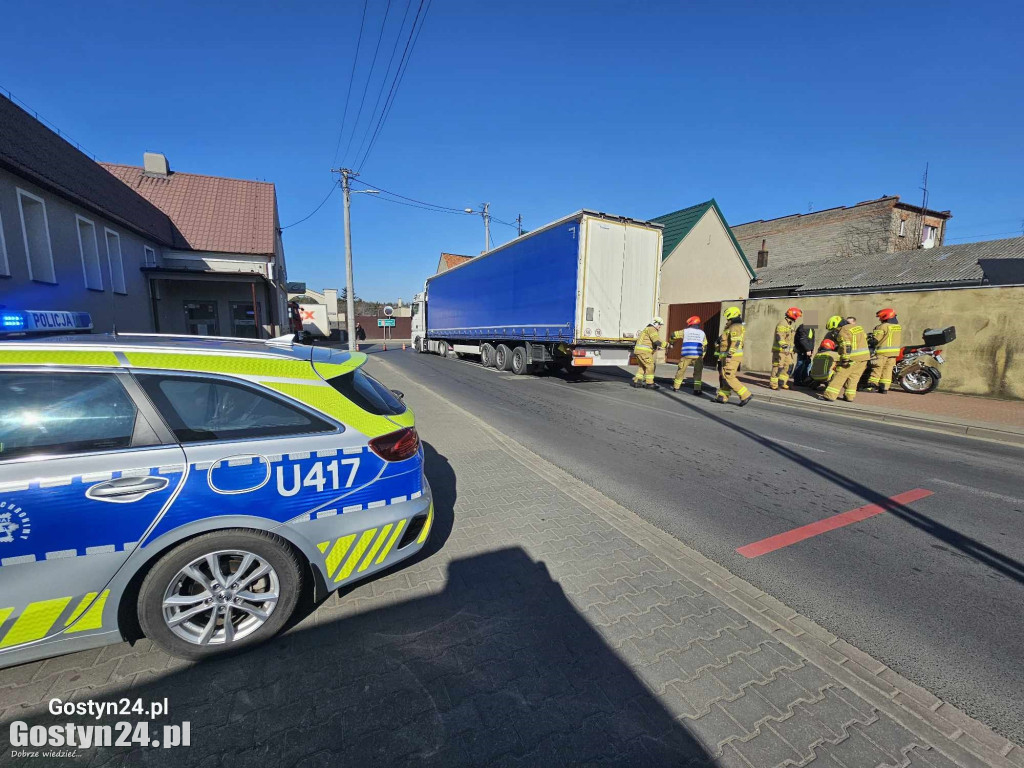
x=919, y=381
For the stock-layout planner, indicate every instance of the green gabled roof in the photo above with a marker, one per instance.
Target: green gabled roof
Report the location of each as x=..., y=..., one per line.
x=678, y=225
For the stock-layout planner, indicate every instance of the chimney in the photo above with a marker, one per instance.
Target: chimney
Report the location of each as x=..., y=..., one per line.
x=156, y=164
x=762, y=255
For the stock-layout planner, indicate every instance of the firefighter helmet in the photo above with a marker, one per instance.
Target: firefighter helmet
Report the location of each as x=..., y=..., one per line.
x=732, y=313
x=833, y=322
x=886, y=314
x=657, y=321
x=695, y=320
x=794, y=313
x=828, y=344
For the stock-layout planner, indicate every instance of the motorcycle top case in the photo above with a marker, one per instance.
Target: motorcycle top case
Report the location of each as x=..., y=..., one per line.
x=936, y=337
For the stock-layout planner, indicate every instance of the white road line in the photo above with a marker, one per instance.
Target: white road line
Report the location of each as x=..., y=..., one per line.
x=796, y=445
x=979, y=491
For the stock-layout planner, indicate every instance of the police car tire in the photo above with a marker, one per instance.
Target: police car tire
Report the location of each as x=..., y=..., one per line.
x=265, y=545
x=503, y=357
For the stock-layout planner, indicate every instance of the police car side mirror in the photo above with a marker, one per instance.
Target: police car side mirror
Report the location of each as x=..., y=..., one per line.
x=399, y=395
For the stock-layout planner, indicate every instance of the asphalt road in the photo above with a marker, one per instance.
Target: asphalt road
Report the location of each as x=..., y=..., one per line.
x=933, y=587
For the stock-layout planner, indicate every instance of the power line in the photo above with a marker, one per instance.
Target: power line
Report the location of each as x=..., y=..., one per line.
x=387, y=74
x=412, y=202
x=425, y=208
x=351, y=80
x=334, y=186
x=369, y=76
x=403, y=67
x=410, y=199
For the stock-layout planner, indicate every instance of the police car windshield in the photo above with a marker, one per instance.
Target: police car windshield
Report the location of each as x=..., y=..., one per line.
x=368, y=393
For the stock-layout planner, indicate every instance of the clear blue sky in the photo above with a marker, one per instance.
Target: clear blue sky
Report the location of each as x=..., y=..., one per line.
x=542, y=108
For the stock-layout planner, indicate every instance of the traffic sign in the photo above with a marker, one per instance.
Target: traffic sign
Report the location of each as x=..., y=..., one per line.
x=389, y=310
x=385, y=322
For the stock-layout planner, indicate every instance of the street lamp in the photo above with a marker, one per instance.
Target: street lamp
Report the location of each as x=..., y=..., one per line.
x=486, y=213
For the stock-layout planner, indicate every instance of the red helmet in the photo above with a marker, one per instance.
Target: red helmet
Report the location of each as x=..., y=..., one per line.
x=886, y=314
x=692, y=321
x=828, y=344
x=794, y=313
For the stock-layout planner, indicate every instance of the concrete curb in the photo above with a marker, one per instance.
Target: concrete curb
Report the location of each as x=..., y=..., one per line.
x=959, y=737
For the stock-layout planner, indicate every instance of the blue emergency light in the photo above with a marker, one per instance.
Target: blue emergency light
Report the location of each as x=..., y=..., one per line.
x=43, y=321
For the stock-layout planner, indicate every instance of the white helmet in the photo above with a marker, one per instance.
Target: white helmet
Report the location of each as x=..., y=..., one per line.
x=657, y=321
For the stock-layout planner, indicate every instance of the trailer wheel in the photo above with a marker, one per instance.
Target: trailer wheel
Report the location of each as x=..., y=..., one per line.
x=503, y=357
x=519, y=364
x=487, y=354
x=443, y=348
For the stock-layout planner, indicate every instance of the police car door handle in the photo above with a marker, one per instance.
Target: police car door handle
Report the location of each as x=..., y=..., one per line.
x=126, y=489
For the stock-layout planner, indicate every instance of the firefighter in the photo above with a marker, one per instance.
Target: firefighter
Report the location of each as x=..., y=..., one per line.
x=823, y=364
x=832, y=328
x=853, y=359
x=782, y=349
x=887, y=338
x=695, y=342
x=646, y=344
x=730, y=353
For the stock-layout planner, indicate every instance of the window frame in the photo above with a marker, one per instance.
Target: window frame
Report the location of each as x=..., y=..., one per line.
x=143, y=417
x=107, y=232
x=79, y=220
x=149, y=251
x=903, y=228
x=22, y=194
x=137, y=375
x=5, y=264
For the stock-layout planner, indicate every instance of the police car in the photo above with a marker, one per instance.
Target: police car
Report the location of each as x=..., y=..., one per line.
x=192, y=489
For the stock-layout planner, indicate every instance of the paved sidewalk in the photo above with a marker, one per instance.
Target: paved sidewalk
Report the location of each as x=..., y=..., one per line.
x=543, y=625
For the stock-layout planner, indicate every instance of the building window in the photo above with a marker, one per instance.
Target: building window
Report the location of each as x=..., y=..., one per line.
x=150, y=256
x=243, y=320
x=903, y=227
x=928, y=235
x=201, y=318
x=5, y=265
x=114, y=262
x=90, y=253
x=35, y=229
x=762, y=259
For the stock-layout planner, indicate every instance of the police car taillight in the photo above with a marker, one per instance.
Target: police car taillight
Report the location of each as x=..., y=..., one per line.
x=396, y=446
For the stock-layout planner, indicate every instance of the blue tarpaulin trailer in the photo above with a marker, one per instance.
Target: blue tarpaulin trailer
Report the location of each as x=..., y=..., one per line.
x=574, y=293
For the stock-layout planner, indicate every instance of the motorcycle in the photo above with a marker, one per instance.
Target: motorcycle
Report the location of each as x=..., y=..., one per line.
x=917, y=366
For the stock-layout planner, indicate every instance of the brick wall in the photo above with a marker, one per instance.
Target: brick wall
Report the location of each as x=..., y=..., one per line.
x=869, y=227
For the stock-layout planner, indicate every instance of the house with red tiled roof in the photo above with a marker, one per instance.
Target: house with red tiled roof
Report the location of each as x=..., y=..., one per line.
x=449, y=260
x=140, y=248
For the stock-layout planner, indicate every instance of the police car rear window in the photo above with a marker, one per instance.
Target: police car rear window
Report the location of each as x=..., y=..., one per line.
x=199, y=409
x=63, y=413
x=368, y=393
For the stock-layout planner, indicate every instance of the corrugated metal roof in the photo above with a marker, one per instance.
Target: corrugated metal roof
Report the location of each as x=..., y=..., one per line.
x=679, y=224
x=944, y=264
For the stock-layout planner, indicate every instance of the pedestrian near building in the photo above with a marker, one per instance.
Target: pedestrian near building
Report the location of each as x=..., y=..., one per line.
x=853, y=359
x=695, y=343
x=804, y=343
x=360, y=333
x=887, y=340
x=782, y=349
x=730, y=354
x=646, y=345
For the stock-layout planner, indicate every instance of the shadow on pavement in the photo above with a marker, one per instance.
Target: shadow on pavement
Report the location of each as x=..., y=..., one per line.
x=497, y=665
x=971, y=547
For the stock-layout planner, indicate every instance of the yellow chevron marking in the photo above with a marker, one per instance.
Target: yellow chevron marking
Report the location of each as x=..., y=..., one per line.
x=35, y=621
x=322, y=546
x=93, y=616
x=391, y=541
x=4, y=613
x=376, y=546
x=357, y=552
x=59, y=357
x=426, y=526
x=337, y=552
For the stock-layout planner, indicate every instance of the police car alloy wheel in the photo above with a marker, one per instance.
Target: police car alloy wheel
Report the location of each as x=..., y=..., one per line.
x=219, y=592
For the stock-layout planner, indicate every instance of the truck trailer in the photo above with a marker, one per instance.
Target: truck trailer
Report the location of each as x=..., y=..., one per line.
x=572, y=294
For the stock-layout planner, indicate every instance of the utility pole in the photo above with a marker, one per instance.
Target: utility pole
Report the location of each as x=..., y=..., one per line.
x=350, y=291
x=485, y=211
x=519, y=224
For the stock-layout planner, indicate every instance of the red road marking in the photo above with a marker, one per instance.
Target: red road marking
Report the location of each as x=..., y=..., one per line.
x=781, y=540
